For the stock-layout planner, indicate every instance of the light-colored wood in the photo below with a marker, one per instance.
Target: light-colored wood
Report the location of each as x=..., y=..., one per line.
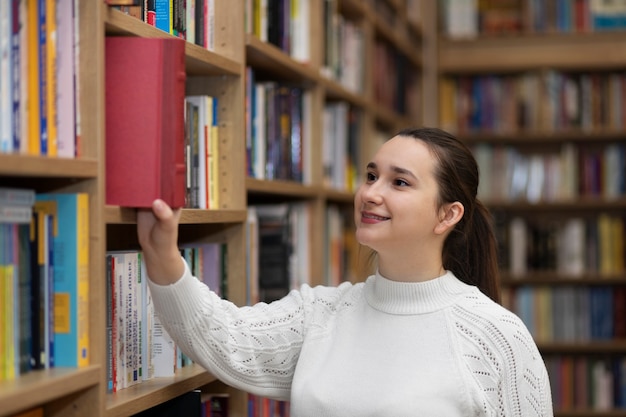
x=40, y=387
x=82, y=392
x=37, y=166
x=139, y=397
x=583, y=52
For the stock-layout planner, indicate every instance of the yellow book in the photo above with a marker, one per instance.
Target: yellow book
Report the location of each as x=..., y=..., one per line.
x=34, y=121
x=447, y=105
x=51, y=76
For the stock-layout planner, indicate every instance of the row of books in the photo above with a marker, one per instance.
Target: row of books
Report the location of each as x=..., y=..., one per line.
x=551, y=175
x=39, y=110
x=283, y=23
x=278, y=253
x=470, y=18
x=138, y=346
x=267, y=407
x=44, y=283
x=571, y=247
x=567, y=313
x=587, y=383
x=341, y=146
x=161, y=143
x=277, y=130
x=192, y=20
x=396, y=81
x=546, y=101
x=344, y=51
x=202, y=145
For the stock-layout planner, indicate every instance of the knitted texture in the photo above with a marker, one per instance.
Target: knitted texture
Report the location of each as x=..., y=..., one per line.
x=439, y=348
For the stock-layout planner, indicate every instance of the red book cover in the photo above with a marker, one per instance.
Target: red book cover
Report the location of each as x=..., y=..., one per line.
x=145, y=131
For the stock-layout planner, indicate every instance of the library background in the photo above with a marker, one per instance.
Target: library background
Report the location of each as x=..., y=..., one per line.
x=265, y=112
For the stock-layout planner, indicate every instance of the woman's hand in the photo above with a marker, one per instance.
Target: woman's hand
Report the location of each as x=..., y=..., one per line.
x=157, y=230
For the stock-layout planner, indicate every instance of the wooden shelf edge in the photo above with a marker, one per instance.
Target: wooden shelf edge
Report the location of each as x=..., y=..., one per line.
x=589, y=413
x=127, y=215
x=149, y=393
x=583, y=347
x=267, y=57
x=198, y=61
x=281, y=188
x=556, y=278
x=40, y=387
x=532, y=51
x=18, y=165
x=581, y=203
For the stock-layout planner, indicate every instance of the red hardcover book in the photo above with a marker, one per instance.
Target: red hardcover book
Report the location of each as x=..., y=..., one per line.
x=145, y=131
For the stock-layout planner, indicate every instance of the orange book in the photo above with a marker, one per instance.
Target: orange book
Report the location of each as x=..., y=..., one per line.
x=51, y=77
x=145, y=121
x=33, y=118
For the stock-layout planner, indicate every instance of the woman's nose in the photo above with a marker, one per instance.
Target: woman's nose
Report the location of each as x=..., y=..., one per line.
x=372, y=193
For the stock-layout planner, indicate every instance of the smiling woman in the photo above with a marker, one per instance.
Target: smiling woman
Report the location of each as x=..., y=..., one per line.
x=424, y=335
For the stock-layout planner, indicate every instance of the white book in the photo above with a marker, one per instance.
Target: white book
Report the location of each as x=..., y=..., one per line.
x=66, y=94
x=163, y=351
x=259, y=144
x=6, y=67
x=518, y=247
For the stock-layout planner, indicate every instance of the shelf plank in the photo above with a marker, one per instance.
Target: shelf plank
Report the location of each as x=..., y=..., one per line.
x=596, y=51
x=198, y=60
x=126, y=215
x=15, y=165
x=583, y=347
x=40, y=387
x=281, y=188
x=589, y=412
x=555, y=278
x=582, y=203
x=265, y=57
x=149, y=393
x=521, y=138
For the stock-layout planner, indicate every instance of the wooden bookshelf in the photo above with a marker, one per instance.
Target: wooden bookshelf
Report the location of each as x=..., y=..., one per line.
x=510, y=55
x=220, y=72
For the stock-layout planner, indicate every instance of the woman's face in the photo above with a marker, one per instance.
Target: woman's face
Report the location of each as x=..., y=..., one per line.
x=396, y=206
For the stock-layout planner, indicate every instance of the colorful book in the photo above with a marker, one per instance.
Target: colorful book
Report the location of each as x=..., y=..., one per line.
x=145, y=121
x=32, y=66
x=71, y=278
x=51, y=76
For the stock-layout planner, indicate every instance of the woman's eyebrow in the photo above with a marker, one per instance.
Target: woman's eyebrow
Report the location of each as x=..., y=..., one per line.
x=403, y=171
x=394, y=168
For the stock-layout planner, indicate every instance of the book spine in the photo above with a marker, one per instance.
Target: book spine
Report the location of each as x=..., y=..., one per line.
x=16, y=79
x=66, y=128
x=51, y=76
x=42, y=78
x=32, y=66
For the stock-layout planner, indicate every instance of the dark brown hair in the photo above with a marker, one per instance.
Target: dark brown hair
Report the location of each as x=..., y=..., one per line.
x=470, y=250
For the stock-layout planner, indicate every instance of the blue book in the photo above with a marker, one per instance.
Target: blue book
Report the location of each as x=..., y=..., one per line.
x=71, y=281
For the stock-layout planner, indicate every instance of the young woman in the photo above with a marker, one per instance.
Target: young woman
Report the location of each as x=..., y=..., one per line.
x=423, y=336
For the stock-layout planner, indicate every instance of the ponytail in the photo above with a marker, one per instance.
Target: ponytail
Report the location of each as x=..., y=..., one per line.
x=470, y=250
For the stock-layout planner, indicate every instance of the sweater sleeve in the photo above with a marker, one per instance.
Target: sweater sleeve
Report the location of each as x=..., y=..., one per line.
x=253, y=348
x=504, y=361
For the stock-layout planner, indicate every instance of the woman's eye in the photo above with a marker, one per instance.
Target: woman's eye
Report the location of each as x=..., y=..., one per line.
x=370, y=176
x=401, y=183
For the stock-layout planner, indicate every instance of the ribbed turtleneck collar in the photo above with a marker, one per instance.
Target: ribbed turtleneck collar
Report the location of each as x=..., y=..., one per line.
x=395, y=297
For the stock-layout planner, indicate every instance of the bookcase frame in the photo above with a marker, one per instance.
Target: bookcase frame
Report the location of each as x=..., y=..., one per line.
x=82, y=392
x=516, y=53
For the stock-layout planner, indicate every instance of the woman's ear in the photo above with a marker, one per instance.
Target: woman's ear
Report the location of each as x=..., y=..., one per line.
x=449, y=215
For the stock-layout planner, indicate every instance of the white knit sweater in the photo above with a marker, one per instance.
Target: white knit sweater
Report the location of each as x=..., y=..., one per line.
x=379, y=348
